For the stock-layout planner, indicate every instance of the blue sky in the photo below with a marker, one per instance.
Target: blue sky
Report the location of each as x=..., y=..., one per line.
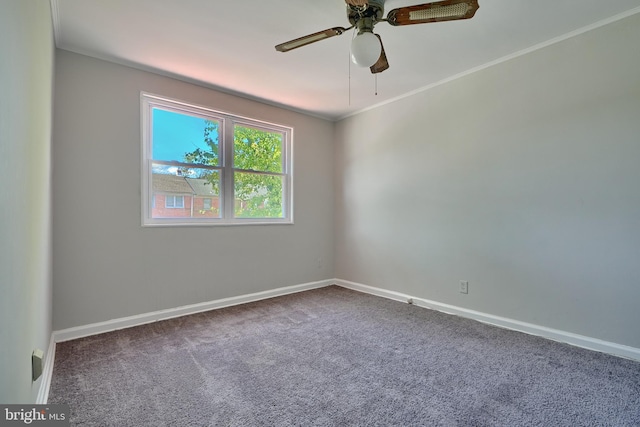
x=175, y=134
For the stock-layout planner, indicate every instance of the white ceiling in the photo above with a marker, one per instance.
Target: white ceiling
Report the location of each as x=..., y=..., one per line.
x=229, y=45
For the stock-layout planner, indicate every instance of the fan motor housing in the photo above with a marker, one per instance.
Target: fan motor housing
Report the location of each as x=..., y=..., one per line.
x=371, y=13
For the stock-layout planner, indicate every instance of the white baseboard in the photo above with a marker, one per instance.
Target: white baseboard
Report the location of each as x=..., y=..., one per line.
x=528, y=328
x=516, y=325
x=47, y=373
x=141, y=319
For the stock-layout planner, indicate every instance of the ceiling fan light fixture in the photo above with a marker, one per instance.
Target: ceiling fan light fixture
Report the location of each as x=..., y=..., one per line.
x=365, y=49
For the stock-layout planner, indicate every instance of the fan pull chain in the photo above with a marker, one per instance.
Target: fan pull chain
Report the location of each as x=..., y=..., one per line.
x=376, y=79
x=349, y=60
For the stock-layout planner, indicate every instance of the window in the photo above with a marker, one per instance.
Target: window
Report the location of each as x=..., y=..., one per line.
x=202, y=166
x=174, y=201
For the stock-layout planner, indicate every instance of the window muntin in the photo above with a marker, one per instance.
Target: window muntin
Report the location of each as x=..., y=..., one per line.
x=227, y=169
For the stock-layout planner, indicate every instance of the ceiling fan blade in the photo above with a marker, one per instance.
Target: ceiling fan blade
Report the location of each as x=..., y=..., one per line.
x=382, y=63
x=311, y=38
x=447, y=10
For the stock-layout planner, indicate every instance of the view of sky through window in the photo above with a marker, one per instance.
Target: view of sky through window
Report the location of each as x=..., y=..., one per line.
x=175, y=134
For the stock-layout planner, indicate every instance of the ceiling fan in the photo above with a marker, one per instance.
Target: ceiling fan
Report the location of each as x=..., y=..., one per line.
x=366, y=47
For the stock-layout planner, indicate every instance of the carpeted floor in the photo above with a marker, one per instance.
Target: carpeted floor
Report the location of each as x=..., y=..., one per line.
x=335, y=357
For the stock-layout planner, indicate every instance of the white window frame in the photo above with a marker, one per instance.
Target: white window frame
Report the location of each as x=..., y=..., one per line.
x=227, y=121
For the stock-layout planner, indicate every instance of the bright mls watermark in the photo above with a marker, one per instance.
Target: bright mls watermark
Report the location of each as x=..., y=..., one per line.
x=36, y=415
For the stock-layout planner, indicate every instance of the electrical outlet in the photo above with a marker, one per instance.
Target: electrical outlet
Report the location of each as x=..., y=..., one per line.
x=464, y=287
x=36, y=363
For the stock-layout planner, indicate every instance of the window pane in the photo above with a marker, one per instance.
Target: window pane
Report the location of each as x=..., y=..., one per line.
x=256, y=149
x=258, y=196
x=184, y=138
x=181, y=192
x=206, y=193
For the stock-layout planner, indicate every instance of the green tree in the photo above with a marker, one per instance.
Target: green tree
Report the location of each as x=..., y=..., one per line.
x=255, y=151
x=209, y=157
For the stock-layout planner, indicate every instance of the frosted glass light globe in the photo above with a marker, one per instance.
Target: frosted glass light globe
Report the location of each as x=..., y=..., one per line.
x=365, y=49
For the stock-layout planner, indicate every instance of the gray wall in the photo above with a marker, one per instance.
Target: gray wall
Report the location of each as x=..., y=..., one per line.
x=522, y=178
x=106, y=265
x=26, y=84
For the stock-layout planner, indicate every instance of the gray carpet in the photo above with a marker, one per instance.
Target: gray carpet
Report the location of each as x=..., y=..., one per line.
x=335, y=357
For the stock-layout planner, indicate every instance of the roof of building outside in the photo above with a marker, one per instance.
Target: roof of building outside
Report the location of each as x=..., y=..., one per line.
x=164, y=183
x=202, y=187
